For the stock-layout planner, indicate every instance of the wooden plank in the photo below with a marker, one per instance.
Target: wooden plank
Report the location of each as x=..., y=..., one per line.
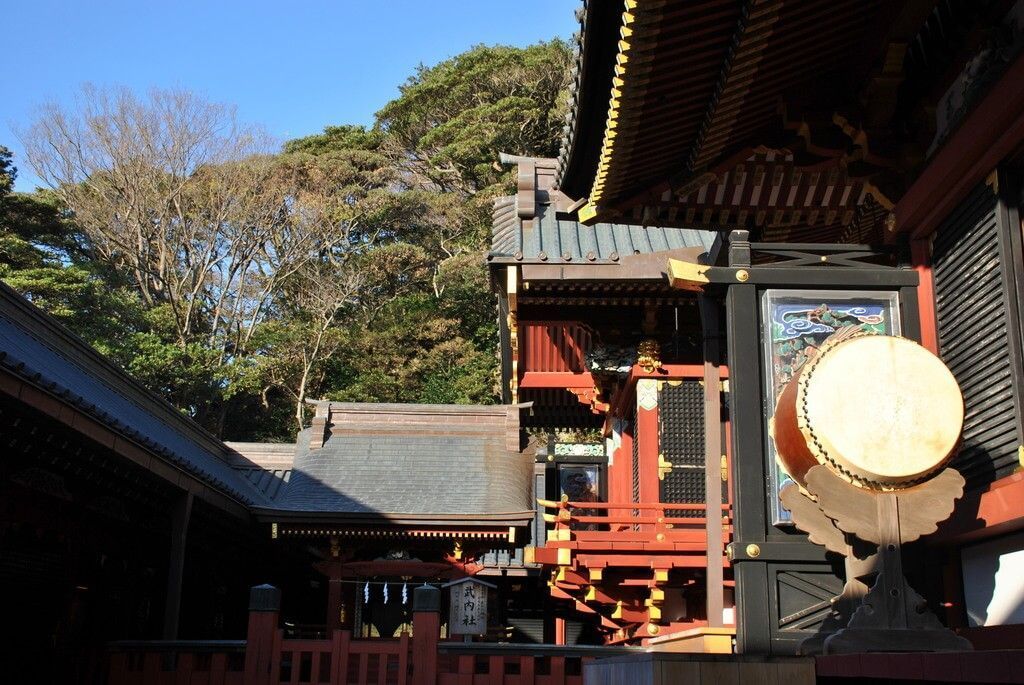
x=712, y=459
x=465, y=669
x=314, y=666
x=526, y=670
x=496, y=669
x=558, y=670
x=403, y=659
x=341, y=642
x=795, y=672
x=219, y=668
x=761, y=672
x=181, y=513
x=720, y=673
x=753, y=617
x=364, y=666
x=183, y=671
x=275, y=657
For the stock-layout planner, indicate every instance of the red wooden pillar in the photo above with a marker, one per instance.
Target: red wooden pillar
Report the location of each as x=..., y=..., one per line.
x=181, y=513
x=426, y=631
x=264, y=606
x=921, y=257
x=334, y=592
x=620, y=463
x=559, y=630
x=646, y=435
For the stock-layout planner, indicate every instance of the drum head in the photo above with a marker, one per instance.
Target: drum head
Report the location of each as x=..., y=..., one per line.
x=881, y=410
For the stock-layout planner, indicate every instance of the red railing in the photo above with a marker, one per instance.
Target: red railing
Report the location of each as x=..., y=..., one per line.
x=266, y=657
x=341, y=660
x=626, y=529
x=510, y=664
x=160, y=662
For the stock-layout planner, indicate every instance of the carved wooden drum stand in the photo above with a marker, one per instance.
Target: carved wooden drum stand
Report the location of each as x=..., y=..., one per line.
x=865, y=429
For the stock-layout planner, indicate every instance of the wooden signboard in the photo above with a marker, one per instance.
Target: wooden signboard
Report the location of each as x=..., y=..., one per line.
x=468, y=609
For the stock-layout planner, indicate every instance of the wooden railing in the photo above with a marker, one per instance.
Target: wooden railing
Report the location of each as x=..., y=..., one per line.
x=512, y=664
x=266, y=657
x=581, y=527
x=156, y=662
x=341, y=660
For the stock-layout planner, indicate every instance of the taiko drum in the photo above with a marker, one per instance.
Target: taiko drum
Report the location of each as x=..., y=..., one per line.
x=880, y=411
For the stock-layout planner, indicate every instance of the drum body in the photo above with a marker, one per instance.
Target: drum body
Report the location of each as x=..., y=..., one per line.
x=879, y=411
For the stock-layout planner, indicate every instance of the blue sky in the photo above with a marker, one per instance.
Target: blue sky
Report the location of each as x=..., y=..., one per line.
x=293, y=66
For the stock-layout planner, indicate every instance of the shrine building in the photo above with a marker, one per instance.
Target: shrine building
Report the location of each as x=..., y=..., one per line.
x=745, y=188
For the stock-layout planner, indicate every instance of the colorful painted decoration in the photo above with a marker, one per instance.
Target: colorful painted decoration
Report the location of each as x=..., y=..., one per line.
x=796, y=323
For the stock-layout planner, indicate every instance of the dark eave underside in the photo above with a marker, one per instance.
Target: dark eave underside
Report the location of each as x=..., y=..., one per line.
x=702, y=81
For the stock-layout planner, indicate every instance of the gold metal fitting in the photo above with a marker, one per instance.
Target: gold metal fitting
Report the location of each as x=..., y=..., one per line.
x=742, y=275
x=753, y=551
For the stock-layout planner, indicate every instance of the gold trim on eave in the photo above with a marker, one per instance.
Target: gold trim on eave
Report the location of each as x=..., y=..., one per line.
x=588, y=213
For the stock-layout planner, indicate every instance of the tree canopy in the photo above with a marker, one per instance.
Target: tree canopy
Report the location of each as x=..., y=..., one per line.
x=240, y=281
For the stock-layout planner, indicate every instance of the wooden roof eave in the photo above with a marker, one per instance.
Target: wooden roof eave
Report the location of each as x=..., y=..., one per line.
x=383, y=519
x=624, y=146
x=629, y=269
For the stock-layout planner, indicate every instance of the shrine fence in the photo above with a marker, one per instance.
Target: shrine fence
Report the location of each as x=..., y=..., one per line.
x=267, y=657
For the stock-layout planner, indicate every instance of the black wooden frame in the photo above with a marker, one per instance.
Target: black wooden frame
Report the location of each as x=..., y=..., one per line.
x=763, y=554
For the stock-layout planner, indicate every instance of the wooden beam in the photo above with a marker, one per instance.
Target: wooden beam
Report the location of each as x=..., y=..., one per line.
x=75, y=418
x=988, y=134
x=180, y=515
x=712, y=459
x=645, y=432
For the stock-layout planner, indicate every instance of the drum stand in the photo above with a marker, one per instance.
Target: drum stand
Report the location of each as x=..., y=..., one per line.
x=877, y=611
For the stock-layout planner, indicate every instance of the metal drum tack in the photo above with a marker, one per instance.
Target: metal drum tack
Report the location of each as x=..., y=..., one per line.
x=881, y=412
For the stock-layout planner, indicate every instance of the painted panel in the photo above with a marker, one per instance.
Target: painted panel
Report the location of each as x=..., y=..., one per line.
x=796, y=323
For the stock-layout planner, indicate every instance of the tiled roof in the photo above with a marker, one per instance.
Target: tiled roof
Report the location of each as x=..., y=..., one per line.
x=38, y=349
x=595, y=52
x=399, y=460
x=555, y=237
x=536, y=226
x=267, y=480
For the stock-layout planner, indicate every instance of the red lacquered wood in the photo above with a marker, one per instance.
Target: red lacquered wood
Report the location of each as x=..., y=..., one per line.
x=790, y=443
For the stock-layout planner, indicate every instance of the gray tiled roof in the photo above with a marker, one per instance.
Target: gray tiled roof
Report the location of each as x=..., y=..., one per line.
x=417, y=460
x=75, y=374
x=553, y=236
x=268, y=481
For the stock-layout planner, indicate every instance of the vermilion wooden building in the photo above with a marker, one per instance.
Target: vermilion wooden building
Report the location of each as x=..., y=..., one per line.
x=595, y=337
x=858, y=162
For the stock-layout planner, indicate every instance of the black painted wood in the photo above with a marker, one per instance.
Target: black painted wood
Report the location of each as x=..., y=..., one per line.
x=975, y=253
x=793, y=574
x=749, y=478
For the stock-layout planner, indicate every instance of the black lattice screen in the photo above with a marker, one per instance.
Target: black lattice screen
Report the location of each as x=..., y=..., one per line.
x=975, y=310
x=681, y=441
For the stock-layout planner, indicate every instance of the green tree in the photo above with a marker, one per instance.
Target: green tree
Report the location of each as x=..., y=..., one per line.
x=452, y=120
x=240, y=283
x=44, y=257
